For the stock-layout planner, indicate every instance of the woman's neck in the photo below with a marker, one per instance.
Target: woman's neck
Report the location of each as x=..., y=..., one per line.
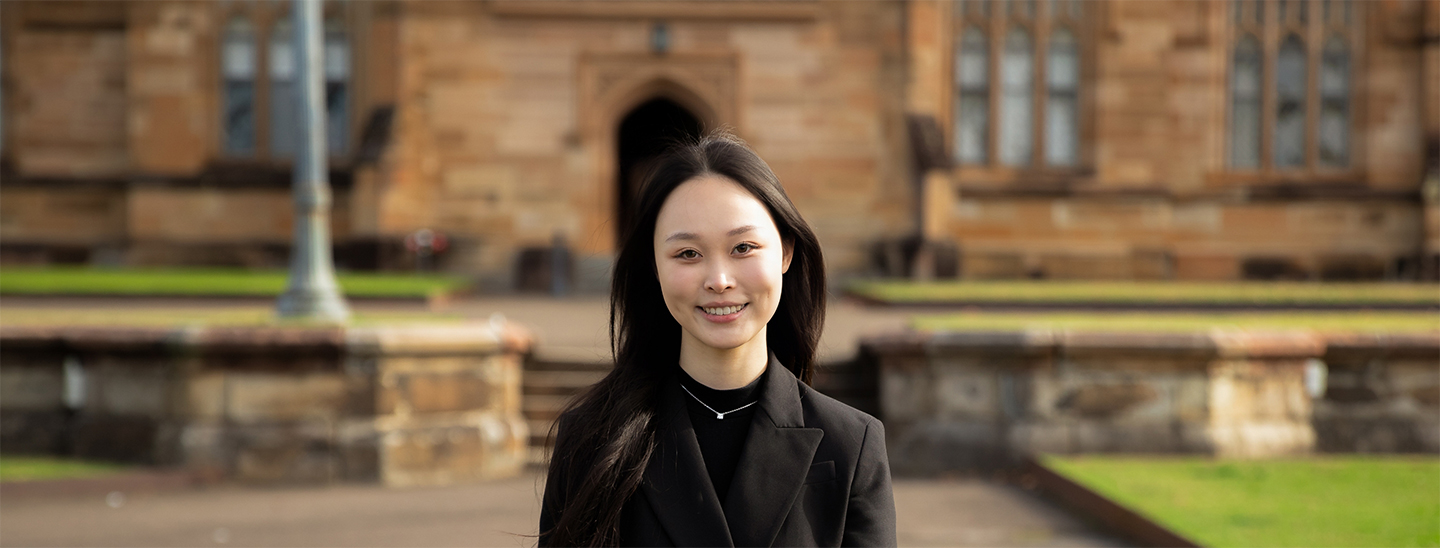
x=724, y=369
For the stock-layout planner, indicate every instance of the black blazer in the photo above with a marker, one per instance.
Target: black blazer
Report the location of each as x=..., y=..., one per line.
x=813, y=473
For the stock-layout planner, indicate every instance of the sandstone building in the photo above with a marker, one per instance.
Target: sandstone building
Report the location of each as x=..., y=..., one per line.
x=1114, y=139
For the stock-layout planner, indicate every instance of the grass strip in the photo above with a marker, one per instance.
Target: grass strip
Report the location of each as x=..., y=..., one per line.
x=1158, y=293
x=208, y=282
x=27, y=468
x=239, y=316
x=1313, y=502
x=1322, y=321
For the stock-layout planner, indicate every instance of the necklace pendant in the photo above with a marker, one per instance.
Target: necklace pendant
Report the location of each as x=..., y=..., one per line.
x=720, y=416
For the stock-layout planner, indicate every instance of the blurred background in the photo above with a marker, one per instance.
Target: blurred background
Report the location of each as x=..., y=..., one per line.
x=1170, y=253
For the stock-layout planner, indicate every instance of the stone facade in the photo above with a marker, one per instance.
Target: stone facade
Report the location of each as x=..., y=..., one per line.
x=428, y=405
x=980, y=400
x=497, y=124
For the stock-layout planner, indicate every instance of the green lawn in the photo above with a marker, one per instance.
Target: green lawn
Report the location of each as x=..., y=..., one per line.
x=1316, y=502
x=1192, y=322
x=1179, y=293
x=237, y=316
x=207, y=282
x=16, y=468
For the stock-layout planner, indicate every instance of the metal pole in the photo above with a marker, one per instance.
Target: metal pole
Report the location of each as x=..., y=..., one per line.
x=311, y=293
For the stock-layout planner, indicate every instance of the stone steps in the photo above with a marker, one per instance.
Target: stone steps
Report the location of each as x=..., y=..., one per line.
x=546, y=388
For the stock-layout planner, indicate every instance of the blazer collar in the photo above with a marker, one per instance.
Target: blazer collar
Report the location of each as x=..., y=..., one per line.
x=768, y=478
x=774, y=462
x=675, y=480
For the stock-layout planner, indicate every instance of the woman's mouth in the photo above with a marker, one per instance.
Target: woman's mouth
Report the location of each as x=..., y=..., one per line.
x=722, y=313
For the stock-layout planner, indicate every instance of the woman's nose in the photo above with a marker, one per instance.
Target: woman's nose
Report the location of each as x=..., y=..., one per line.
x=719, y=281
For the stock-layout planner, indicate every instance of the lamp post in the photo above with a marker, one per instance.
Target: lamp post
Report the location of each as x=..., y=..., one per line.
x=311, y=293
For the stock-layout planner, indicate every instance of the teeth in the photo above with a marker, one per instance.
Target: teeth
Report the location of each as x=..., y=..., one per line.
x=724, y=310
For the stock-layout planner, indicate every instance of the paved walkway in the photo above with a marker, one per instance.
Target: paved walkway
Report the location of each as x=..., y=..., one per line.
x=499, y=513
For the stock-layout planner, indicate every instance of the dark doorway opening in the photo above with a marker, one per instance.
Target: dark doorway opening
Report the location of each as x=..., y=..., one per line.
x=645, y=133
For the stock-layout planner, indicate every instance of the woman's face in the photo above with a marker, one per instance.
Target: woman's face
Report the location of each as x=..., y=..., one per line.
x=720, y=259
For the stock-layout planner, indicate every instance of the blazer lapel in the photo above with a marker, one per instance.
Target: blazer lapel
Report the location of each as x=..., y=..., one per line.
x=774, y=462
x=676, y=481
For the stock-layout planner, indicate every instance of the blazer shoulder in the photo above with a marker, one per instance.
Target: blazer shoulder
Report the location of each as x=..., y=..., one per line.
x=831, y=414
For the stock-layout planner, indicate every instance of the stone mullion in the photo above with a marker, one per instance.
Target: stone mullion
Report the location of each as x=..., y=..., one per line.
x=1349, y=30
x=1040, y=89
x=1082, y=26
x=996, y=27
x=1314, y=27
x=1269, y=50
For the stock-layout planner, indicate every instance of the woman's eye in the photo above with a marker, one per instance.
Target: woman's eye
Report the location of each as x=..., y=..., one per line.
x=688, y=254
x=744, y=248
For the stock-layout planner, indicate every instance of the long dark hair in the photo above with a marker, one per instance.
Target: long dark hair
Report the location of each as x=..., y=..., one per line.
x=610, y=430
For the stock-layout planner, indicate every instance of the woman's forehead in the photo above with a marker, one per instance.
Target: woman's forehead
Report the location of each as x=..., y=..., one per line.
x=711, y=207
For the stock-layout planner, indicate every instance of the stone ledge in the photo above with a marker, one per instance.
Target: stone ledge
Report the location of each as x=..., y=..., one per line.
x=1388, y=345
x=1042, y=343
x=470, y=339
x=465, y=339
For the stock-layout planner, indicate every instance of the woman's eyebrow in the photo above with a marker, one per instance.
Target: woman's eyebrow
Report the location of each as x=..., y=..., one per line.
x=693, y=236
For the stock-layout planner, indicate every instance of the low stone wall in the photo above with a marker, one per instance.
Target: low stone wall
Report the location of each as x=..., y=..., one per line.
x=981, y=400
x=419, y=405
x=1382, y=395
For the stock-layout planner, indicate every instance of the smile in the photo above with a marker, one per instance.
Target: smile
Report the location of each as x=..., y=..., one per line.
x=724, y=310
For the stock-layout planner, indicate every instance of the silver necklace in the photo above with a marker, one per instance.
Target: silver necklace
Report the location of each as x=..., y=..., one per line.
x=718, y=414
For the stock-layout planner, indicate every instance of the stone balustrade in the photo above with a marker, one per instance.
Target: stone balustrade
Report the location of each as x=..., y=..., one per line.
x=980, y=400
x=412, y=405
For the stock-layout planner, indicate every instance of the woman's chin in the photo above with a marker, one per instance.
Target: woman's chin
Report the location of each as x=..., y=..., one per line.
x=722, y=341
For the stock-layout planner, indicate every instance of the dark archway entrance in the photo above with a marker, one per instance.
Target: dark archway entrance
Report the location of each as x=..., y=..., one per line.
x=644, y=133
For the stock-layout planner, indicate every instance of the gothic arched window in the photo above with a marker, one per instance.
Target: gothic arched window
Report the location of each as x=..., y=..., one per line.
x=1016, y=97
x=1291, y=83
x=260, y=93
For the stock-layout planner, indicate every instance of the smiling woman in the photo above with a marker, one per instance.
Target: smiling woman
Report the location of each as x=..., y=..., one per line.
x=706, y=432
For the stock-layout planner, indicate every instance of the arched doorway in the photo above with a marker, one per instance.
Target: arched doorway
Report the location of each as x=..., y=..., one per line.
x=643, y=134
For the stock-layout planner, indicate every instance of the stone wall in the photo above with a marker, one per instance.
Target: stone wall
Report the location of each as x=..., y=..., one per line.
x=979, y=400
x=508, y=113
x=1159, y=237
x=1154, y=198
x=423, y=405
x=1383, y=395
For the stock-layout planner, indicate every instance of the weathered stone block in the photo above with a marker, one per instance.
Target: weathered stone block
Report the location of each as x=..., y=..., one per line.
x=1032, y=438
x=300, y=452
x=261, y=397
x=33, y=432
x=123, y=438
x=205, y=396
x=1104, y=401
x=966, y=395
x=906, y=395
x=446, y=392
x=129, y=390
x=31, y=388
x=438, y=454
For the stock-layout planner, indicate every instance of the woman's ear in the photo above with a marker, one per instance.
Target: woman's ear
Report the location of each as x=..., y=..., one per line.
x=788, y=249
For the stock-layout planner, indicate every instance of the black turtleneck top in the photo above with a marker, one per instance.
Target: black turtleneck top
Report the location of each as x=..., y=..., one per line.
x=721, y=440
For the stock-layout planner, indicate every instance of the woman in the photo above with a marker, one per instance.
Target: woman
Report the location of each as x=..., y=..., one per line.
x=706, y=432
